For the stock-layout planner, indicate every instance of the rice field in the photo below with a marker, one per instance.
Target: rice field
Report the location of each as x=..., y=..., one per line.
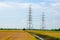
x=15, y=35
x=24, y=35
x=54, y=34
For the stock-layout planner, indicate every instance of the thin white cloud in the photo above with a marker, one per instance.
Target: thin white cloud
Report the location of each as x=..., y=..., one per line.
x=4, y=5
x=54, y=7
x=18, y=5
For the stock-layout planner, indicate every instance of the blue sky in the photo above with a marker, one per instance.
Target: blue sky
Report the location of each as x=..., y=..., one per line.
x=14, y=13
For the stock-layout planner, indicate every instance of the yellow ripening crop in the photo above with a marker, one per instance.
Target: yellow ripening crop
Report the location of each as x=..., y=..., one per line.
x=55, y=34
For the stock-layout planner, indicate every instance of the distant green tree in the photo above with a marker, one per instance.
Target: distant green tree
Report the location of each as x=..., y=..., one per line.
x=59, y=29
x=23, y=28
x=56, y=29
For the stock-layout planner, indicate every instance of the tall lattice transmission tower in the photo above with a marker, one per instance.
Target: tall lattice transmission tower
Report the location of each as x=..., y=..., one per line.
x=43, y=21
x=30, y=17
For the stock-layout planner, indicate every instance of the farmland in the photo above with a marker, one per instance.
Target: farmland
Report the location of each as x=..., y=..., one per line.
x=15, y=35
x=52, y=34
x=26, y=35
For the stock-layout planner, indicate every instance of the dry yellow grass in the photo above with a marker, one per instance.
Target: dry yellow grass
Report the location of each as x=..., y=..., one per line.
x=15, y=35
x=55, y=34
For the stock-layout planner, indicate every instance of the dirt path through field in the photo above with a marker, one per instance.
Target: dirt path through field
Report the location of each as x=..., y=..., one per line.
x=16, y=35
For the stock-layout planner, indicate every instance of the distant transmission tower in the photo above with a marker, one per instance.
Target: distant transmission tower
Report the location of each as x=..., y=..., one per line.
x=30, y=17
x=43, y=21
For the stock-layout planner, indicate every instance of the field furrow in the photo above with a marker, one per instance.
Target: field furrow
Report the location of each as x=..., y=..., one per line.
x=15, y=35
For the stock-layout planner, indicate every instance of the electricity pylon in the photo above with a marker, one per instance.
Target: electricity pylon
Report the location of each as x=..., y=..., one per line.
x=43, y=21
x=30, y=17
